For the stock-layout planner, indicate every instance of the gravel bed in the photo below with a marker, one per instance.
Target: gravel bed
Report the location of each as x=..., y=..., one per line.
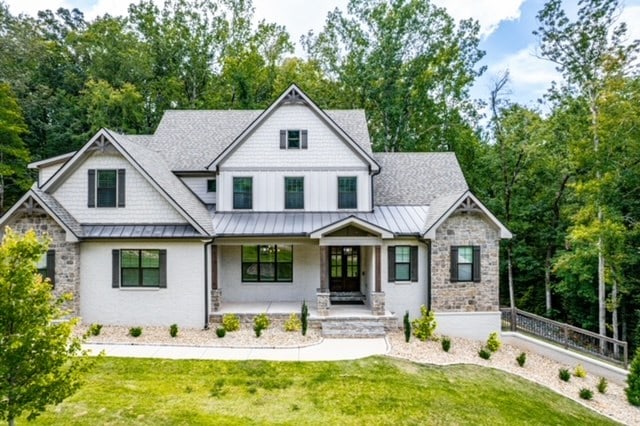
x=537, y=368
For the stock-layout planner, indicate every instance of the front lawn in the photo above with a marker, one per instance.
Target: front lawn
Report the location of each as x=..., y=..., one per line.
x=372, y=391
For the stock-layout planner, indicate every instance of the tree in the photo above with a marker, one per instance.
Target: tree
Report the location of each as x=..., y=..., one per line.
x=39, y=359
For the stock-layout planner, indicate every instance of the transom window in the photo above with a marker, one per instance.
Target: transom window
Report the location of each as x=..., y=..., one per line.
x=293, y=139
x=347, y=192
x=465, y=263
x=106, y=188
x=140, y=268
x=242, y=193
x=294, y=193
x=267, y=263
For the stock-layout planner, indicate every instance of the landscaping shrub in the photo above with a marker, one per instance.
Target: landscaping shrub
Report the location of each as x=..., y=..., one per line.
x=173, y=330
x=260, y=322
x=579, y=371
x=293, y=323
x=231, y=322
x=424, y=327
x=602, y=385
x=564, y=374
x=521, y=359
x=446, y=343
x=633, y=380
x=493, y=342
x=135, y=331
x=586, y=394
x=220, y=332
x=484, y=353
x=304, y=314
x=407, y=327
x=94, y=329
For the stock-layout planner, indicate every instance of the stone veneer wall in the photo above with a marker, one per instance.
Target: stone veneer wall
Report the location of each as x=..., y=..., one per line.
x=67, y=268
x=465, y=229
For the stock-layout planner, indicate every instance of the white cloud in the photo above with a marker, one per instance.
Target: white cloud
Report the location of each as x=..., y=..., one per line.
x=489, y=13
x=631, y=15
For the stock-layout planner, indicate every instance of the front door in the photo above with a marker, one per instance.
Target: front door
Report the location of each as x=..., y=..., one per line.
x=344, y=269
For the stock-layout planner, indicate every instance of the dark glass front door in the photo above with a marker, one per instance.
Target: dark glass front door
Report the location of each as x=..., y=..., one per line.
x=344, y=269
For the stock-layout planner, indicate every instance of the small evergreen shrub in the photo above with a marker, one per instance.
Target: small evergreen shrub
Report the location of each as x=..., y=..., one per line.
x=521, y=359
x=260, y=322
x=304, y=316
x=135, y=331
x=633, y=381
x=221, y=332
x=493, y=342
x=446, y=343
x=564, y=374
x=173, y=330
x=425, y=326
x=231, y=322
x=484, y=353
x=293, y=323
x=94, y=329
x=586, y=394
x=579, y=371
x=602, y=385
x=407, y=327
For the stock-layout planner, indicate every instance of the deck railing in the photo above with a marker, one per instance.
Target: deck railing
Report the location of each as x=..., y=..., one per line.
x=568, y=336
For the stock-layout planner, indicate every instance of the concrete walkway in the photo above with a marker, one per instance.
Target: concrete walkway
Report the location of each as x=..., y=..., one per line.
x=326, y=350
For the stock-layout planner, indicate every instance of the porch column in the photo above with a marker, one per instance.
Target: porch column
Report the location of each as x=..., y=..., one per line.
x=377, y=296
x=216, y=293
x=322, y=294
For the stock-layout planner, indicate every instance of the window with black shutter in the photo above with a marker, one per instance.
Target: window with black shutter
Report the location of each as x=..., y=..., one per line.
x=139, y=268
x=465, y=263
x=106, y=188
x=403, y=263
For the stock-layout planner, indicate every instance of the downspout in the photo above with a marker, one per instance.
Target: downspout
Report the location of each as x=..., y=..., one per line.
x=206, y=285
x=427, y=244
x=372, y=191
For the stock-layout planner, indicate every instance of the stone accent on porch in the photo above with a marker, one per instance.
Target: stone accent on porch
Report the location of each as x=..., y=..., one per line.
x=216, y=299
x=377, y=303
x=323, y=302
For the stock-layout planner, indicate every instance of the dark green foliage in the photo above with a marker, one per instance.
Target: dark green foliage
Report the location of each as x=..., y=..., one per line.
x=173, y=330
x=135, y=331
x=446, y=343
x=94, y=329
x=521, y=359
x=304, y=316
x=484, y=353
x=564, y=374
x=586, y=393
x=633, y=381
x=407, y=327
x=602, y=385
x=221, y=332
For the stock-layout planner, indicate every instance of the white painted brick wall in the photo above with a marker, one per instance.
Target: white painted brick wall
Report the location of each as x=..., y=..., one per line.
x=143, y=203
x=405, y=296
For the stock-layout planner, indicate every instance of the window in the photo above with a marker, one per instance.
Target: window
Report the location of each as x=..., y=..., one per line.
x=347, y=192
x=267, y=263
x=142, y=268
x=46, y=265
x=294, y=193
x=465, y=263
x=211, y=185
x=106, y=188
x=293, y=139
x=242, y=192
x=403, y=263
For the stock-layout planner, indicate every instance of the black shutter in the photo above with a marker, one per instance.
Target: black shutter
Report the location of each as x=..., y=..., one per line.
x=115, y=268
x=51, y=266
x=391, y=263
x=92, y=188
x=283, y=139
x=414, y=263
x=454, y=264
x=476, y=263
x=121, y=188
x=304, y=144
x=163, y=269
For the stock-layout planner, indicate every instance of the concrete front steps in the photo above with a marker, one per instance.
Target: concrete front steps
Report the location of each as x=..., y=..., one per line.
x=348, y=328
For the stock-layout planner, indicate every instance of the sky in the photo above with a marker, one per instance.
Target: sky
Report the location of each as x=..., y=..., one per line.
x=506, y=32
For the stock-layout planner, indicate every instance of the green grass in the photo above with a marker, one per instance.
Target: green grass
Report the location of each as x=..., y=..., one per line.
x=373, y=391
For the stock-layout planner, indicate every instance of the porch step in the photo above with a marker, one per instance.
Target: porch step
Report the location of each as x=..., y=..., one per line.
x=347, y=297
x=347, y=329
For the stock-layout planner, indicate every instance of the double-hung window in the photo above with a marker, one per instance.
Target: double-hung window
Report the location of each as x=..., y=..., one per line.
x=242, y=193
x=465, y=263
x=106, y=188
x=47, y=266
x=294, y=139
x=294, y=193
x=140, y=268
x=347, y=192
x=267, y=263
x=403, y=263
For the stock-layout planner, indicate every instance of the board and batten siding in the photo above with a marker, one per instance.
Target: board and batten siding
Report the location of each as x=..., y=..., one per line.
x=182, y=302
x=143, y=204
x=198, y=185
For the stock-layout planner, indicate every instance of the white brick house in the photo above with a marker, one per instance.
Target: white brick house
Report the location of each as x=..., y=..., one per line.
x=281, y=205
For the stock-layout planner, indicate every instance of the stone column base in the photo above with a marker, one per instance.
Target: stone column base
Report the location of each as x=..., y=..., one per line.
x=323, y=302
x=216, y=299
x=377, y=303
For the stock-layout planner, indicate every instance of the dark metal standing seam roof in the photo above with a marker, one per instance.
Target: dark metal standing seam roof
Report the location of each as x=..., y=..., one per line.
x=139, y=231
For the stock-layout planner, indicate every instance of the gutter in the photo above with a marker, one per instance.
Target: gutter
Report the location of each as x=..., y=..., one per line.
x=427, y=244
x=206, y=285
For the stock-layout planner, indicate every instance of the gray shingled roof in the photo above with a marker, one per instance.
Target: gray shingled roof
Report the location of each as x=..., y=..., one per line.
x=416, y=178
x=56, y=208
x=190, y=140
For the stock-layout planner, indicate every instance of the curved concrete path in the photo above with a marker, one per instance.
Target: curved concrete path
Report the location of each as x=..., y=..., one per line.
x=326, y=350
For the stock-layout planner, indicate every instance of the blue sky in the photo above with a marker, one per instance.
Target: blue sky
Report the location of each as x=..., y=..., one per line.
x=507, y=27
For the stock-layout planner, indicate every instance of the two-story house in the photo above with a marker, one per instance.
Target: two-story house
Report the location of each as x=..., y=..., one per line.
x=283, y=205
